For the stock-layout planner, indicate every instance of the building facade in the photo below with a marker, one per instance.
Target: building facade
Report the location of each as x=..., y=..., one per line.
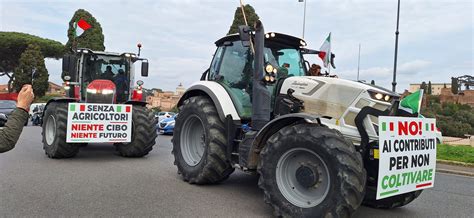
x=165, y=100
x=435, y=87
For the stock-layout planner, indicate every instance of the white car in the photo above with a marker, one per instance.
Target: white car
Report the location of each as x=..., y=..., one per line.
x=163, y=115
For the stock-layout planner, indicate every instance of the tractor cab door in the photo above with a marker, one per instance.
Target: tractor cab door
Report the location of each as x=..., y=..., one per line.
x=232, y=67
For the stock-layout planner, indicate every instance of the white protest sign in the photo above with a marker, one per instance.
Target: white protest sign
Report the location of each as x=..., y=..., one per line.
x=407, y=149
x=97, y=123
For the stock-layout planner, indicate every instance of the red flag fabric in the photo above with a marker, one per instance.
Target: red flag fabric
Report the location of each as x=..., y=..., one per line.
x=83, y=24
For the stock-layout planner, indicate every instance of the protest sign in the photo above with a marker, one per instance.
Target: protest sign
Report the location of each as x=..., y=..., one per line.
x=97, y=123
x=407, y=155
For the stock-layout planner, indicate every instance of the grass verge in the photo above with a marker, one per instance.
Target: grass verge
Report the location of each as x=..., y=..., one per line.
x=461, y=153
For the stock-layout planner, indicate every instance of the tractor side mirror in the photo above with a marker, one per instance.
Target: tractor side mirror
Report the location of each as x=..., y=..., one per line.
x=144, y=68
x=244, y=34
x=69, y=67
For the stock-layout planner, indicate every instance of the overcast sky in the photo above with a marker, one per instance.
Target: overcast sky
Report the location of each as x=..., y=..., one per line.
x=436, y=36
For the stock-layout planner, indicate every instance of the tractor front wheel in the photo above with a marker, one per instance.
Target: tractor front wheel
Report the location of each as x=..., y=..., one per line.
x=54, y=132
x=143, y=134
x=200, y=143
x=308, y=170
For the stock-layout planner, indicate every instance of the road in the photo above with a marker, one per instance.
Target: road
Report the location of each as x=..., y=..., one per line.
x=99, y=183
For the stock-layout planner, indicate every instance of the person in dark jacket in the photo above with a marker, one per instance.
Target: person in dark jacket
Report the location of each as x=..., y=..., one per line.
x=16, y=120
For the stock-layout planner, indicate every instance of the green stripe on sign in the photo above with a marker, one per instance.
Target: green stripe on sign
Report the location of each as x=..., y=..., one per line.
x=384, y=126
x=119, y=108
x=72, y=107
x=389, y=192
x=427, y=127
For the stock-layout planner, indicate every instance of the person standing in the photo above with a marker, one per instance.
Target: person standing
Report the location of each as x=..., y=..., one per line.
x=11, y=132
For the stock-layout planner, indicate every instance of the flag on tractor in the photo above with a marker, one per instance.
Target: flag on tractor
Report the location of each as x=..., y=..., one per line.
x=325, y=51
x=80, y=27
x=412, y=103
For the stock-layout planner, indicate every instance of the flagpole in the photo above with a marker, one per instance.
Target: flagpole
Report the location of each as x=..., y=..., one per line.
x=330, y=54
x=394, y=82
x=304, y=17
x=358, y=64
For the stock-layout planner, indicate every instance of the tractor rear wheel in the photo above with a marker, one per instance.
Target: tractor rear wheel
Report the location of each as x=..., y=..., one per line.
x=143, y=134
x=308, y=170
x=390, y=202
x=54, y=132
x=200, y=143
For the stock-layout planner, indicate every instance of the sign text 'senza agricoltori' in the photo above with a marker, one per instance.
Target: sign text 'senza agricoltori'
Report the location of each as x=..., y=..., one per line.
x=97, y=123
x=407, y=148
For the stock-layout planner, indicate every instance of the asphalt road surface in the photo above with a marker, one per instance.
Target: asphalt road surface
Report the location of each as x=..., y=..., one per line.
x=99, y=183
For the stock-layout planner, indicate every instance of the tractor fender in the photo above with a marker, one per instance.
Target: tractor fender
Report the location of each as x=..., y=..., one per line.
x=217, y=94
x=67, y=100
x=282, y=121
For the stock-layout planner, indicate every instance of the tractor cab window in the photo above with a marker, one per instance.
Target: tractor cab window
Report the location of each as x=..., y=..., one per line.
x=235, y=73
x=113, y=68
x=288, y=61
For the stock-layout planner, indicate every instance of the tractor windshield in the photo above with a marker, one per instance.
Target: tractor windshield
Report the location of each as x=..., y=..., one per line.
x=288, y=61
x=107, y=67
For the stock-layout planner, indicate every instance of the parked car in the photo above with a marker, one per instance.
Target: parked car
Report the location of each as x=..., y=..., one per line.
x=163, y=115
x=166, y=126
x=3, y=119
x=7, y=107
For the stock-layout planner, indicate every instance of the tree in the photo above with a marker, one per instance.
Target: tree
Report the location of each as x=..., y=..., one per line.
x=429, y=88
x=372, y=82
x=423, y=86
x=252, y=17
x=13, y=44
x=454, y=85
x=31, y=68
x=91, y=38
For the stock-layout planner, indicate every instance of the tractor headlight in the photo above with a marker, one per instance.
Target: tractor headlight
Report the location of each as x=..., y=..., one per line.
x=92, y=91
x=107, y=91
x=379, y=96
x=269, y=68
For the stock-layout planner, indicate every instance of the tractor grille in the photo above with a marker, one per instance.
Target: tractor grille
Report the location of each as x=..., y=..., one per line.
x=100, y=98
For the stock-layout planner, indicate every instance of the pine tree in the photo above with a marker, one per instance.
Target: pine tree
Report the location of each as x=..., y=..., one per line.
x=454, y=85
x=429, y=91
x=32, y=61
x=92, y=38
x=252, y=17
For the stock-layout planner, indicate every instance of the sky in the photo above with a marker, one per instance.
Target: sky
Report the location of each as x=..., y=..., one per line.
x=436, y=40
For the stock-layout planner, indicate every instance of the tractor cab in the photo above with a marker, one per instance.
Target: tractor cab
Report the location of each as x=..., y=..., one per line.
x=102, y=77
x=233, y=66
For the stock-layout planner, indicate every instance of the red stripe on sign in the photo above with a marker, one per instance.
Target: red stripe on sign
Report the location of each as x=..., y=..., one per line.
x=82, y=107
x=391, y=126
x=127, y=109
x=432, y=127
x=423, y=185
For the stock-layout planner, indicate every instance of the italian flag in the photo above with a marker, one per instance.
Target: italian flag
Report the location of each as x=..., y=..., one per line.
x=325, y=51
x=80, y=27
x=412, y=102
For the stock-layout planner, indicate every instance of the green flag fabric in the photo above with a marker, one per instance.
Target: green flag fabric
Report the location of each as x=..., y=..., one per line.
x=412, y=102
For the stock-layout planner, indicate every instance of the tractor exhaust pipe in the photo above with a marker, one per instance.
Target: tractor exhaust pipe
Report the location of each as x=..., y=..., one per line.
x=260, y=95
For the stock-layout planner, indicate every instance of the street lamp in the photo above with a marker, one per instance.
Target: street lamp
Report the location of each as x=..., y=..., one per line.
x=394, y=82
x=304, y=15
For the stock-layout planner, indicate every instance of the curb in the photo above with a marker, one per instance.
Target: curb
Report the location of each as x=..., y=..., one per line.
x=455, y=172
x=456, y=163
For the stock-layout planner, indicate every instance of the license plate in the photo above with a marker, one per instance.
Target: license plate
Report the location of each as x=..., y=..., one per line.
x=162, y=131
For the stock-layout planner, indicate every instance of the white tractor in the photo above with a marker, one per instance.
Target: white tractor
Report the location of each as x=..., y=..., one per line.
x=311, y=139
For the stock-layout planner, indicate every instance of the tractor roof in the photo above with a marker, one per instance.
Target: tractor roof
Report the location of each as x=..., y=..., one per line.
x=101, y=52
x=270, y=37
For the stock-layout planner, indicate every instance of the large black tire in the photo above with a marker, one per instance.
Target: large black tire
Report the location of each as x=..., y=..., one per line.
x=340, y=168
x=390, y=202
x=198, y=117
x=55, y=123
x=143, y=134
